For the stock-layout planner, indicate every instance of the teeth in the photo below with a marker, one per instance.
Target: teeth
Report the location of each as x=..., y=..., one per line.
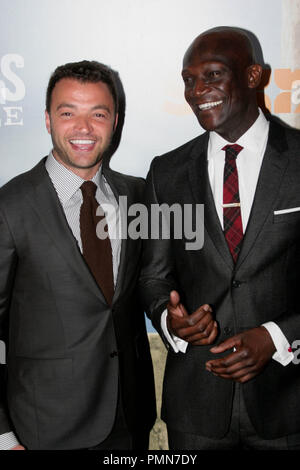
x=209, y=105
x=82, y=142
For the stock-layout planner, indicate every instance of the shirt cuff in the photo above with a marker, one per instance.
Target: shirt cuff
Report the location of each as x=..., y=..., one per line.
x=178, y=344
x=284, y=354
x=8, y=441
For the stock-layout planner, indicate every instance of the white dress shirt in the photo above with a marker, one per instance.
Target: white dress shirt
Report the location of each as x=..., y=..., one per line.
x=248, y=163
x=67, y=185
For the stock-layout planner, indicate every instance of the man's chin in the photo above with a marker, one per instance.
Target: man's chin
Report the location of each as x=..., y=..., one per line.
x=70, y=161
x=86, y=166
x=207, y=126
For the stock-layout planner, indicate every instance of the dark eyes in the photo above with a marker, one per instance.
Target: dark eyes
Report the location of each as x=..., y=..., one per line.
x=214, y=73
x=68, y=114
x=207, y=77
x=187, y=80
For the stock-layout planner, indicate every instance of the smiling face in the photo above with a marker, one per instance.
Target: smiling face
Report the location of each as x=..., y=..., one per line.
x=220, y=80
x=81, y=122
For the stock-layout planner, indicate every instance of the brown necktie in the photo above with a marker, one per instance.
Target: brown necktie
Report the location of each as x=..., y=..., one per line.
x=96, y=252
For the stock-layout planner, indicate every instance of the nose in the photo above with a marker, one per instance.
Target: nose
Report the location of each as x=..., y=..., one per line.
x=83, y=124
x=200, y=87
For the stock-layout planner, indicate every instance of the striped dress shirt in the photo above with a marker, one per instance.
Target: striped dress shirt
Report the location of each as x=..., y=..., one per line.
x=67, y=186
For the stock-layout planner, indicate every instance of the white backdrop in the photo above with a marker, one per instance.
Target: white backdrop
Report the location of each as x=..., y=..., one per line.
x=143, y=39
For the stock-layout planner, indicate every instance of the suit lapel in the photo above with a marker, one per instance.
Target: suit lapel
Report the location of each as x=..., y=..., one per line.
x=272, y=171
x=120, y=188
x=45, y=202
x=201, y=189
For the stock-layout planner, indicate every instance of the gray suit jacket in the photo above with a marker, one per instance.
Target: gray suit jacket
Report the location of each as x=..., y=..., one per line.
x=262, y=286
x=69, y=353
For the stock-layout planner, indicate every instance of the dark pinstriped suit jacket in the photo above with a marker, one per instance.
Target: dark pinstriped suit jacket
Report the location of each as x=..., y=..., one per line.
x=68, y=352
x=262, y=286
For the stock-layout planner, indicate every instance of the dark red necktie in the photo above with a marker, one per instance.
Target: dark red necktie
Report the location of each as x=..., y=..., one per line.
x=96, y=251
x=233, y=228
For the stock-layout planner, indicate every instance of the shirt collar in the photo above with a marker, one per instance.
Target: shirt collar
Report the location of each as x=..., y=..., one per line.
x=253, y=139
x=66, y=183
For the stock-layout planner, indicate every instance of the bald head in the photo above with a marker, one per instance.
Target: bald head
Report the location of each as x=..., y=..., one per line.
x=226, y=44
x=221, y=77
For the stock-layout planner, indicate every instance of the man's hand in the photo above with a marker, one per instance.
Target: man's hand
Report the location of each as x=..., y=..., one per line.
x=199, y=328
x=18, y=447
x=254, y=349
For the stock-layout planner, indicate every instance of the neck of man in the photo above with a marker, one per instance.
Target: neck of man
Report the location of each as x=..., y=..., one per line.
x=233, y=134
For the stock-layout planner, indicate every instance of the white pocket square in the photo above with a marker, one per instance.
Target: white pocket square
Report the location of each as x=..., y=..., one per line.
x=287, y=211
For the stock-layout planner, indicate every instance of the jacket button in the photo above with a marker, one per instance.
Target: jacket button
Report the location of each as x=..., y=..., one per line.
x=114, y=354
x=236, y=284
x=227, y=330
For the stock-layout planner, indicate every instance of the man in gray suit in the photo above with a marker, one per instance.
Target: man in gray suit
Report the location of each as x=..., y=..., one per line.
x=243, y=391
x=78, y=371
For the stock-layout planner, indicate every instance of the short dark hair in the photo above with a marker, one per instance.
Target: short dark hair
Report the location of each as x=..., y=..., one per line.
x=85, y=71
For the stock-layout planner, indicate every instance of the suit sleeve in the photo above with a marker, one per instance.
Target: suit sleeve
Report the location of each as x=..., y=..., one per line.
x=8, y=261
x=157, y=275
x=289, y=319
x=289, y=323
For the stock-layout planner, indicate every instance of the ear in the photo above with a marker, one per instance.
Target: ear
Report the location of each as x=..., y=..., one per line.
x=116, y=121
x=48, y=123
x=254, y=74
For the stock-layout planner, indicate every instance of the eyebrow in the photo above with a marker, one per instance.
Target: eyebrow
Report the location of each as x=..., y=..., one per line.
x=213, y=62
x=73, y=106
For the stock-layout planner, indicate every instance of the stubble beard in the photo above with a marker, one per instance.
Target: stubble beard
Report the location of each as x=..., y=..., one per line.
x=68, y=161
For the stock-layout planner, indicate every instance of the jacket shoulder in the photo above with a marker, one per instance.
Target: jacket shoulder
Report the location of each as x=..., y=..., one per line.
x=14, y=194
x=283, y=136
x=127, y=185
x=134, y=180
x=130, y=181
x=17, y=187
x=180, y=155
x=293, y=136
